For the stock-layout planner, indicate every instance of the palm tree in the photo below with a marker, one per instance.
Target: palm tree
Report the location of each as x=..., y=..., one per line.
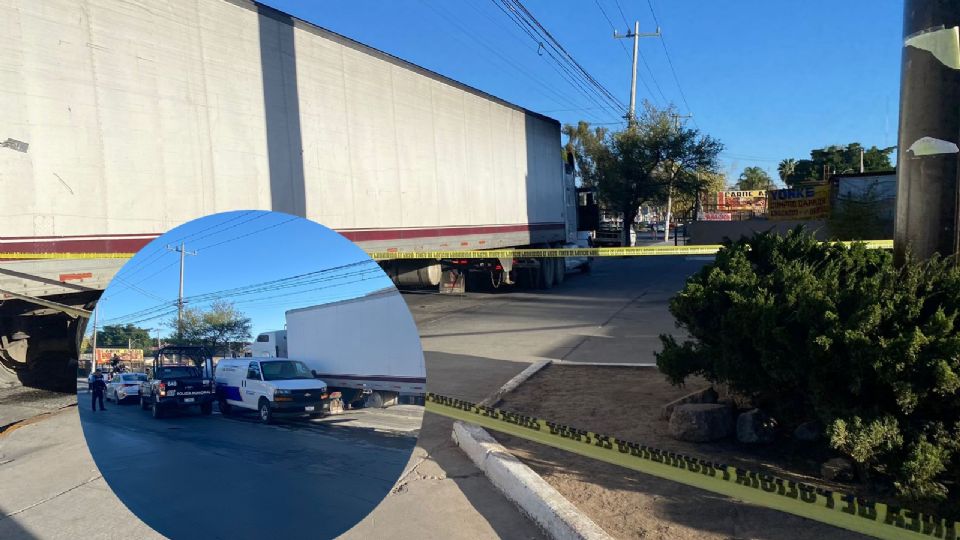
x=786, y=169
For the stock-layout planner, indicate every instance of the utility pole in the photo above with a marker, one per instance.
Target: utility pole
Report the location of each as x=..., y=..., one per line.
x=928, y=192
x=93, y=361
x=183, y=252
x=676, y=119
x=666, y=225
x=635, y=35
x=861, y=160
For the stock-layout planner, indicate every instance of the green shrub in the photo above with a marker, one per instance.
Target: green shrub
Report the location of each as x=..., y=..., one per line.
x=839, y=334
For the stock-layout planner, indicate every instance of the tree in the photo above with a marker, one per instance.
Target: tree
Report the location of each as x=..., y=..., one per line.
x=123, y=336
x=754, y=178
x=701, y=186
x=786, y=168
x=586, y=145
x=218, y=328
x=838, y=159
x=646, y=162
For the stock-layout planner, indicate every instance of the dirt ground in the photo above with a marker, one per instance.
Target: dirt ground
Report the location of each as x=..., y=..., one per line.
x=625, y=402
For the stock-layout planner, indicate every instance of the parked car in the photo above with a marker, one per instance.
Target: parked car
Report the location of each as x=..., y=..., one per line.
x=123, y=386
x=272, y=387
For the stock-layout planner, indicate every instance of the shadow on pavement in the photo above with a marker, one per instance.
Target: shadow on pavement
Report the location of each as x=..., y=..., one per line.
x=473, y=378
x=673, y=502
x=10, y=529
x=182, y=474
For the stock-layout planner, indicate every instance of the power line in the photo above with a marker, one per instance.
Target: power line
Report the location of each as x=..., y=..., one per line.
x=670, y=61
x=612, y=26
x=578, y=75
x=150, y=256
x=556, y=44
x=307, y=278
x=275, y=225
x=114, y=293
x=625, y=23
x=559, y=98
x=497, y=21
x=558, y=64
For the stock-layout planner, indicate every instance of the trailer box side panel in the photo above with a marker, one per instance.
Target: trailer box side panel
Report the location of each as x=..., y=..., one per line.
x=369, y=342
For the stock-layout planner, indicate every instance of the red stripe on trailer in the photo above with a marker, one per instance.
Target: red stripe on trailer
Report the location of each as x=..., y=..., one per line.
x=131, y=243
x=71, y=277
x=369, y=235
x=75, y=245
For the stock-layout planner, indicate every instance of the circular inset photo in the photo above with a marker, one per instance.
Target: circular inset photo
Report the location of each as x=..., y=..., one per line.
x=252, y=374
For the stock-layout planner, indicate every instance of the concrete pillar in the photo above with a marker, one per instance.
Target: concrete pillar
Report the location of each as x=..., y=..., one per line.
x=927, y=189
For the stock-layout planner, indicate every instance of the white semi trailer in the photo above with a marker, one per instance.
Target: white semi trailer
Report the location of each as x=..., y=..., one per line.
x=122, y=120
x=368, y=347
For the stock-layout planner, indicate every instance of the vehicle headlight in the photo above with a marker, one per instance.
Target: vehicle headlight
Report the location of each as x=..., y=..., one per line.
x=281, y=392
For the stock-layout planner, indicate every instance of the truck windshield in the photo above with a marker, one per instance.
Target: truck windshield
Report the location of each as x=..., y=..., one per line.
x=175, y=372
x=284, y=369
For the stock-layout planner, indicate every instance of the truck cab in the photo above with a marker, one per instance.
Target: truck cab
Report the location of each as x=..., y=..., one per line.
x=181, y=377
x=272, y=344
x=271, y=387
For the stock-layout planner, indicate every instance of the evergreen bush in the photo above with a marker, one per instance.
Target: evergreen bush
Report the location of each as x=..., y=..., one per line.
x=839, y=334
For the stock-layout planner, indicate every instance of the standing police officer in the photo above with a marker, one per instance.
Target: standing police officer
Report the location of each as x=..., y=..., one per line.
x=97, y=387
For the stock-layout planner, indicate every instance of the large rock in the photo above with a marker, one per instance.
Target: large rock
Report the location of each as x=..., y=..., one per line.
x=840, y=469
x=701, y=422
x=705, y=395
x=755, y=426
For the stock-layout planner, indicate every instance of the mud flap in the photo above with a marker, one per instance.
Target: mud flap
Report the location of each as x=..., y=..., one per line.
x=453, y=281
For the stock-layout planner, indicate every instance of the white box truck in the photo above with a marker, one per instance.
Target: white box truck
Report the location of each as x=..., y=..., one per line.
x=367, y=348
x=194, y=108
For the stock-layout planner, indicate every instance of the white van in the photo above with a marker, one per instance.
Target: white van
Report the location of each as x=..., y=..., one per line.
x=270, y=386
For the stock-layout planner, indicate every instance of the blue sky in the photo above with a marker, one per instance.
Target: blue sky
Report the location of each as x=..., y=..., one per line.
x=770, y=79
x=238, y=249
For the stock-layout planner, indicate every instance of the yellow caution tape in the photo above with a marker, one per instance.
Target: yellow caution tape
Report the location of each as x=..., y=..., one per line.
x=638, y=251
x=65, y=256
x=803, y=499
x=548, y=252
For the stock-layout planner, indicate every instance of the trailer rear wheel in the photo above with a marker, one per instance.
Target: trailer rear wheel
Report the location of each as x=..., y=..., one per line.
x=546, y=274
x=374, y=401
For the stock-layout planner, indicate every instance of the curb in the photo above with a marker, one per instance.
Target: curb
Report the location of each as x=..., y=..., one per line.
x=540, y=501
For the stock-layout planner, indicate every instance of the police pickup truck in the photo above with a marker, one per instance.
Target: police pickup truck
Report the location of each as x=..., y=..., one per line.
x=181, y=377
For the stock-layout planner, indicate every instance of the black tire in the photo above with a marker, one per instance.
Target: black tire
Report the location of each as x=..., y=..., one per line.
x=266, y=413
x=206, y=408
x=155, y=410
x=374, y=400
x=546, y=274
x=585, y=268
x=225, y=408
x=560, y=271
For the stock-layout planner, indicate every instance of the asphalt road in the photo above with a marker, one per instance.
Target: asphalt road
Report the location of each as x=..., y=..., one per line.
x=231, y=477
x=49, y=487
